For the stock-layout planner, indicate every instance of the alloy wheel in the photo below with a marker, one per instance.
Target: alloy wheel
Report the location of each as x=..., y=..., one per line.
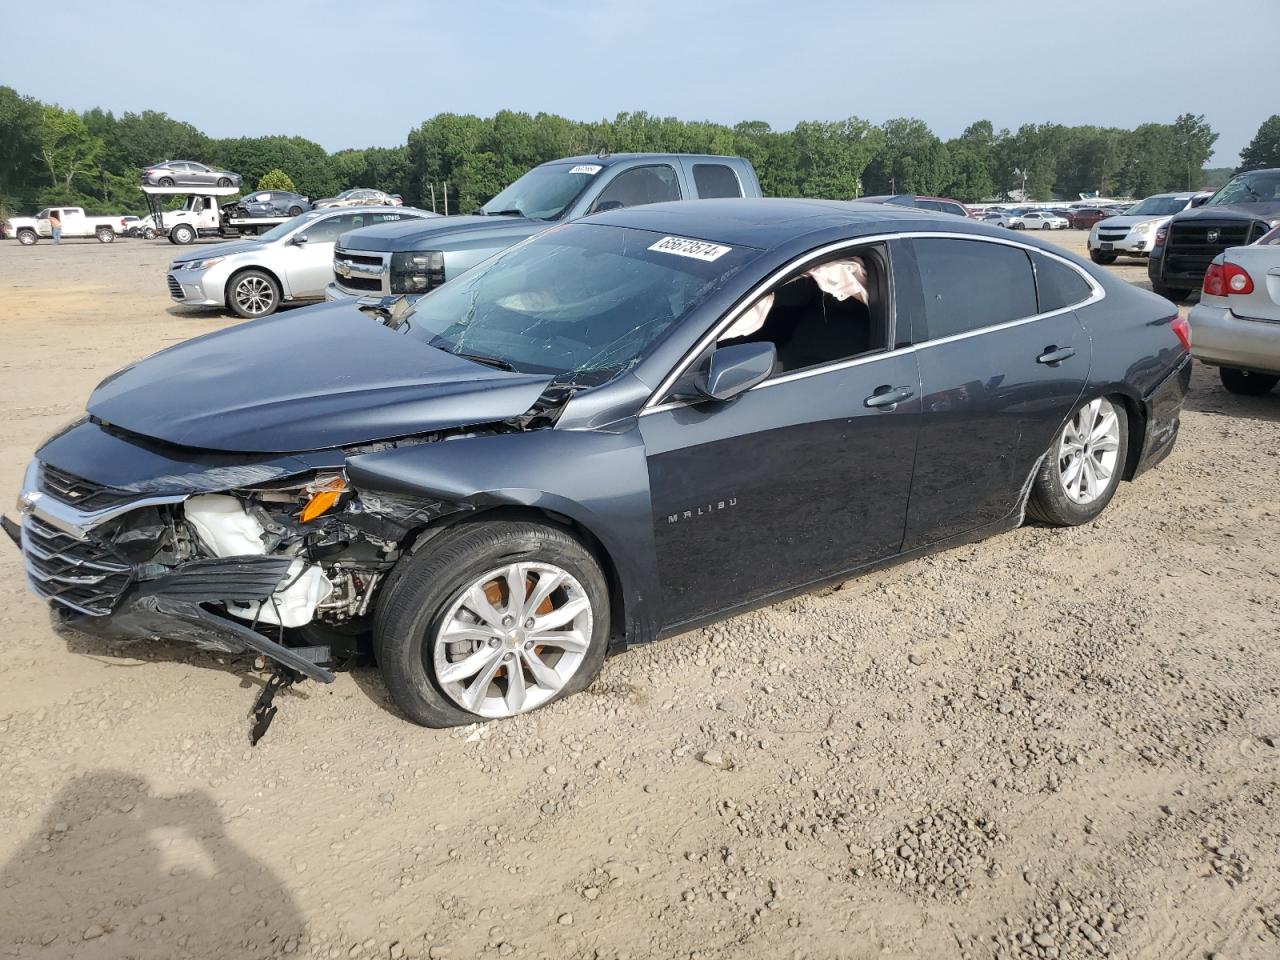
x=255, y=296
x=512, y=638
x=1089, y=452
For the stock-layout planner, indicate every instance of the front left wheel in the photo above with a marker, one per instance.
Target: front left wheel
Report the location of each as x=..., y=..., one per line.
x=1082, y=469
x=497, y=619
x=253, y=293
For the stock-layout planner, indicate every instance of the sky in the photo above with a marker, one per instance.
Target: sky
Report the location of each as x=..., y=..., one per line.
x=357, y=74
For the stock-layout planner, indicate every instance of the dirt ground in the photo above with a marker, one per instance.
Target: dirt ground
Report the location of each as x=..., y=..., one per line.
x=1055, y=743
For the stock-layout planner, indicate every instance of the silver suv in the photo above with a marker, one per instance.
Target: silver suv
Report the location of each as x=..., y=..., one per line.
x=292, y=261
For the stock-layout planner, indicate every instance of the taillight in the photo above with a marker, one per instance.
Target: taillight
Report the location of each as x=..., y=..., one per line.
x=1237, y=279
x=1182, y=330
x=1223, y=279
x=1214, y=282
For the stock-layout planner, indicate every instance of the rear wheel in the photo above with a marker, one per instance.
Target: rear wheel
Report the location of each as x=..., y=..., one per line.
x=166, y=181
x=1082, y=469
x=502, y=618
x=105, y=235
x=1102, y=258
x=27, y=237
x=295, y=211
x=253, y=293
x=1247, y=382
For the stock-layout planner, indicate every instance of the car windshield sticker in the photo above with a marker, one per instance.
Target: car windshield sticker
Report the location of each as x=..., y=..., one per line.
x=697, y=249
x=590, y=169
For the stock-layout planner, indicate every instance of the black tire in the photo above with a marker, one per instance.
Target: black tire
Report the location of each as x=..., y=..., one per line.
x=224, y=181
x=1048, y=501
x=1174, y=294
x=166, y=181
x=1018, y=226
x=1102, y=258
x=1246, y=382
x=105, y=235
x=248, y=289
x=295, y=211
x=28, y=237
x=183, y=235
x=149, y=233
x=424, y=584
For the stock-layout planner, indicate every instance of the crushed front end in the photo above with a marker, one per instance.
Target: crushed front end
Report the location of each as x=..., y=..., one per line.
x=270, y=556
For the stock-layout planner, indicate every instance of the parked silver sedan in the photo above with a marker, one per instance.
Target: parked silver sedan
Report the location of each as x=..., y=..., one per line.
x=290, y=262
x=360, y=196
x=1236, y=325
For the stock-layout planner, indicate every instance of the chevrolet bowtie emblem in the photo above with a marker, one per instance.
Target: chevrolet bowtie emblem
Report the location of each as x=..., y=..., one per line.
x=1211, y=236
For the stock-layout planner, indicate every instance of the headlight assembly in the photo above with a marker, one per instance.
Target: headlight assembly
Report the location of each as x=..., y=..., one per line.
x=203, y=264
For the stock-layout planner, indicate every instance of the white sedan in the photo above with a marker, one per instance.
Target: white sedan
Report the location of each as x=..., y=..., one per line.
x=290, y=262
x=1044, y=220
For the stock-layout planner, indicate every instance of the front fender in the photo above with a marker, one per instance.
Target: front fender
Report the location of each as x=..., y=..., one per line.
x=598, y=479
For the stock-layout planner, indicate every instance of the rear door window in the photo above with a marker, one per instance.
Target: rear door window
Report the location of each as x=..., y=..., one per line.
x=715, y=180
x=638, y=186
x=971, y=284
x=1057, y=285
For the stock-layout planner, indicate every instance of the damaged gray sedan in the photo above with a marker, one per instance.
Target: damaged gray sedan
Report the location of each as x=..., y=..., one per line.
x=591, y=441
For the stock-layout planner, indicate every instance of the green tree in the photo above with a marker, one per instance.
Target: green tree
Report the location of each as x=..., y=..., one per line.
x=276, y=179
x=1192, y=146
x=912, y=160
x=21, y=129
x=67, y=148
x=1264, y=149
x=252, y=157
x=830, y=157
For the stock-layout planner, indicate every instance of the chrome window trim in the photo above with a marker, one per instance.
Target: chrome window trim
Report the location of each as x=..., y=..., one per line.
x=652, y=406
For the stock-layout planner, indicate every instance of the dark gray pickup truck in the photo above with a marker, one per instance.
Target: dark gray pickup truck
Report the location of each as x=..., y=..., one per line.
x=412, y=258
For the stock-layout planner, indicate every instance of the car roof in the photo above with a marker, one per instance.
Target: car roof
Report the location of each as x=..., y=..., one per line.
x=767, y=223
x=612, y=158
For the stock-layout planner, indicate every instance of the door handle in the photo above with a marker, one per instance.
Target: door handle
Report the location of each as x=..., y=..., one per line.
x=886, y=397
x=1055, y=355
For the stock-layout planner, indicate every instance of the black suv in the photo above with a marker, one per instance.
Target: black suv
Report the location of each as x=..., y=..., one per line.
x=1238, y=214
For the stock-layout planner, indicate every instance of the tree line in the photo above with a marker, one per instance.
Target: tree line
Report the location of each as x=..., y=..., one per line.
x=50, y=155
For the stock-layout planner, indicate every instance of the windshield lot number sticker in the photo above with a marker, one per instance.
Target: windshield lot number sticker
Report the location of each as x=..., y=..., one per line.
x=590, y=169
x=696, y=249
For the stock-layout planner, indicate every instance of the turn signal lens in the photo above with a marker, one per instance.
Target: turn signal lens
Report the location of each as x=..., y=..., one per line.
x=324, y=494
x=1182, y=330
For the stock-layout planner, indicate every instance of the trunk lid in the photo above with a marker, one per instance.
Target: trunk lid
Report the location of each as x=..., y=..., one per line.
x=1262, y=263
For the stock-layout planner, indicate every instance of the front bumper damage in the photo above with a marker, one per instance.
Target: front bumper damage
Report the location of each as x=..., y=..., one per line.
x=95, y=587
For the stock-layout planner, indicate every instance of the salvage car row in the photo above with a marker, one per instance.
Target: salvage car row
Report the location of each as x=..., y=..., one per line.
x=488, y=478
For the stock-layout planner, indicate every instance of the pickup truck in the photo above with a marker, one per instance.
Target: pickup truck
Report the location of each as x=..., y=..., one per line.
x=74, y=224
x=414, y=257
x=1238, y=214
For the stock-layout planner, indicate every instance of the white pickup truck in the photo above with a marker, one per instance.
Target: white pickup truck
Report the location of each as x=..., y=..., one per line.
x=74, y=224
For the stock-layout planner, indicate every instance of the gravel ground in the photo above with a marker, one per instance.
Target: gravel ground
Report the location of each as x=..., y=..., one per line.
x=1055, y=743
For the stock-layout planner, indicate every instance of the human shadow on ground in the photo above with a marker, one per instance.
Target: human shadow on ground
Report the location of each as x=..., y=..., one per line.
x=116, y=870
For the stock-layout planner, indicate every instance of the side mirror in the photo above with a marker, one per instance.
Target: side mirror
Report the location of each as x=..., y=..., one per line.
x=604, y=205
x=1198, y=201
x=735, y=370
x=298, y=240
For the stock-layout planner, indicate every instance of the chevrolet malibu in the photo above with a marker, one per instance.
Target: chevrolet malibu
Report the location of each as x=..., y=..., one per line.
x=292, y=261
x=615, y=431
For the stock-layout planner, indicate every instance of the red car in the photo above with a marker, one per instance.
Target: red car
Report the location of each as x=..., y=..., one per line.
x=1083, y=218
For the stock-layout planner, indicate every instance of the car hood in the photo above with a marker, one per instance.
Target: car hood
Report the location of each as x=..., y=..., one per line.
x=1235, y=211
x=220, y=250
x=443, y=233
x=1127, y=221
x=312, y=379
